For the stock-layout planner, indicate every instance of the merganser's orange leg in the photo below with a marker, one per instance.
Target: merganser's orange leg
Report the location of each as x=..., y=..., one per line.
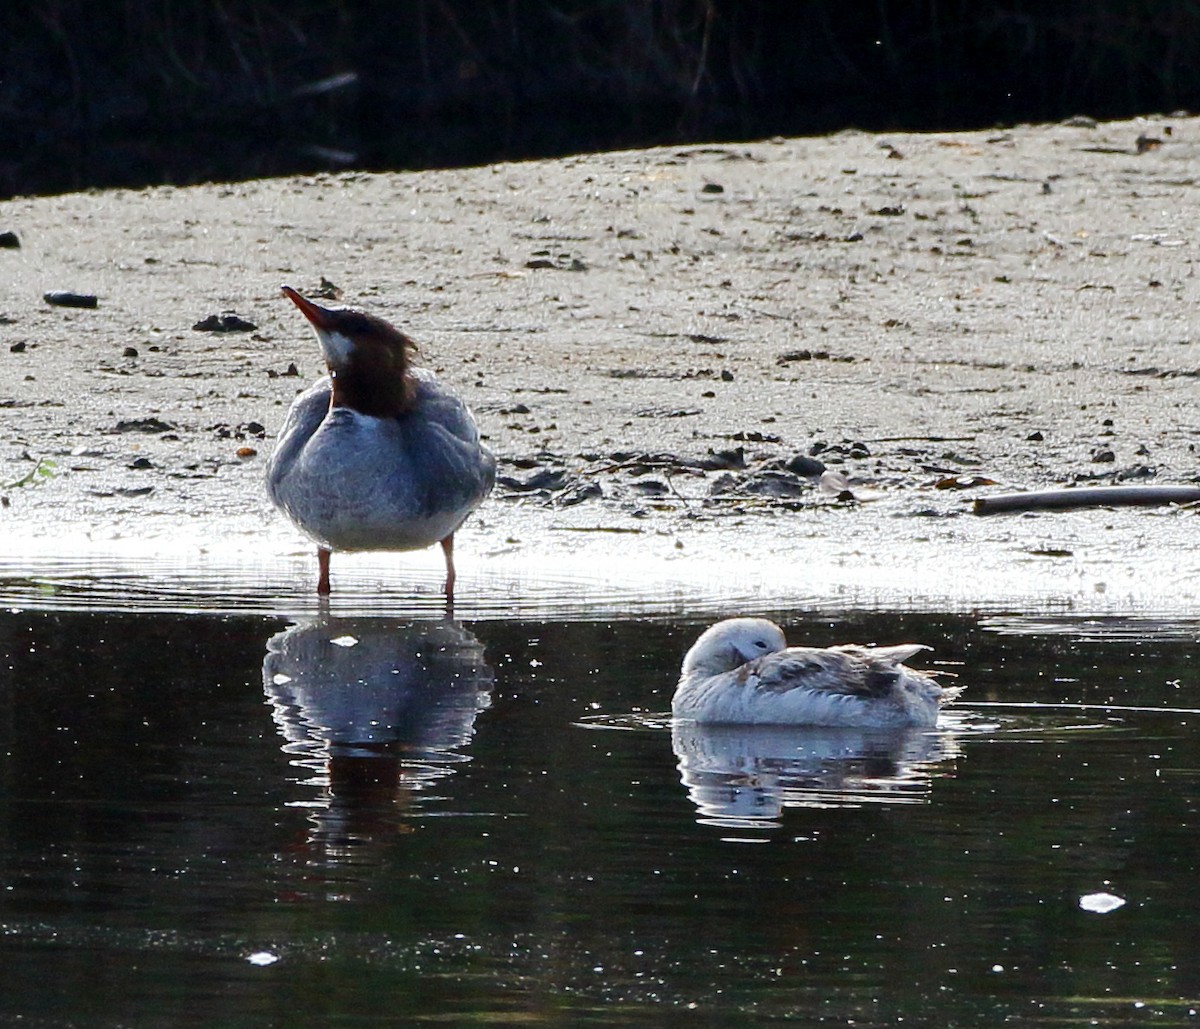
x=448, y=550
x=323, y=565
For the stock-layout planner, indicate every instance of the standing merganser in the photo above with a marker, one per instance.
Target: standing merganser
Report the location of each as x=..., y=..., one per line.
x=376, y=455
x=741, y=670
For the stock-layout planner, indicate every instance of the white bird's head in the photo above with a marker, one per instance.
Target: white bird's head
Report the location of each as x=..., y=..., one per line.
x=730, y=644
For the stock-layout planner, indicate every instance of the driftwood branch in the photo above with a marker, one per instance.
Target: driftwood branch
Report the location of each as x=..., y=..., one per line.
x=1087, y=496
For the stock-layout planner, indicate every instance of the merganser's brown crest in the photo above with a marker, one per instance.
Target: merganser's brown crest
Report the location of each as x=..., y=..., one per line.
x=369, y=360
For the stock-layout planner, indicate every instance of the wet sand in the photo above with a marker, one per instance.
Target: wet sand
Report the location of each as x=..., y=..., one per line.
x=664, y=348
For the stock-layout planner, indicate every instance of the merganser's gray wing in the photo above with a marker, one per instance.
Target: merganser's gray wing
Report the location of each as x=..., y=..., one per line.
x=304, y=417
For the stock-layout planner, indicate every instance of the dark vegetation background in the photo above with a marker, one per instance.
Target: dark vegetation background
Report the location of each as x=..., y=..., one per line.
x=151, y=91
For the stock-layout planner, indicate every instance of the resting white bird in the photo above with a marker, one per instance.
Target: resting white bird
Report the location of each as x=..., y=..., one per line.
x=742, y=671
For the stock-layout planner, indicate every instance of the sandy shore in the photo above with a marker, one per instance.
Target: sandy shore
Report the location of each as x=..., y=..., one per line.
x=661, y=346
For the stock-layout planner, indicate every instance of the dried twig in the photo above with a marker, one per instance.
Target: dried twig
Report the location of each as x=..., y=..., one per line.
x=1087, y=496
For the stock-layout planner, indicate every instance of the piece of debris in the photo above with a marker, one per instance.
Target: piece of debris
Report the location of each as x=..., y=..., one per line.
x=836, y=484
x=144, y=425
x=563, y=262
x=717, y=460
x=543, y=479
x=227, y=321
x=327, y=290
x=802, y=464
x=65, y=298
x=963, y=482
x=1087, y=496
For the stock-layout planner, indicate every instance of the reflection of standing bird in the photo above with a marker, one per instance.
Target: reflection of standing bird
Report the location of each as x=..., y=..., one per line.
x=363, y=685
x=377, y=455
x=375, y=712
x=741, y=670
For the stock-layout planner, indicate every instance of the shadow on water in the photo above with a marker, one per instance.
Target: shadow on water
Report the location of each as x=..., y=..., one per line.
x=399, y=817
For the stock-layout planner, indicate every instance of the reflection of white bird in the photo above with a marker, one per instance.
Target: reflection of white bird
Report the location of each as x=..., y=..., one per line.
x=742, y=671
x=747, y=774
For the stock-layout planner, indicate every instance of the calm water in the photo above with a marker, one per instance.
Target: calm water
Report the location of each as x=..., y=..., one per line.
x=246, y=820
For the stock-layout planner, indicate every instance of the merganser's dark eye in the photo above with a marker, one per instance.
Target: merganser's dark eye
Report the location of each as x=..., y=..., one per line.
x=761, y=644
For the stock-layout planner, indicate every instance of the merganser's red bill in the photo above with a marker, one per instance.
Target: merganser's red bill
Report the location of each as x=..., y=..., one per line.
x=316, y=314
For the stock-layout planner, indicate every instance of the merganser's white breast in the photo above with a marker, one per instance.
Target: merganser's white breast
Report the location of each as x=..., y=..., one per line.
x=742, y=671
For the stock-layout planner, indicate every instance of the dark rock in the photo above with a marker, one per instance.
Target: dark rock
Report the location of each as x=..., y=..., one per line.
x=558, y=262
x=226, y=431
x=577, y=495
x=543, y=479
x=778, y=484
x=652, y=487
x=65, y=298
x=17, y=348
x=1035, y=437
x=1137, y=471
x=144, y=425
x=129, y=352
x=712, y=187
x=727, y=483
x=766, y=482
x=141, y=462
x=726, y=375
x=1102, y=455
x=227, y=321
x=802, y=464
x=719, y=459
x=754, y=436
x=9, y=241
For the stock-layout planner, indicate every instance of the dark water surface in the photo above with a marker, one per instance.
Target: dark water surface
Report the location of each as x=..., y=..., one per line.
x=236, y=819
